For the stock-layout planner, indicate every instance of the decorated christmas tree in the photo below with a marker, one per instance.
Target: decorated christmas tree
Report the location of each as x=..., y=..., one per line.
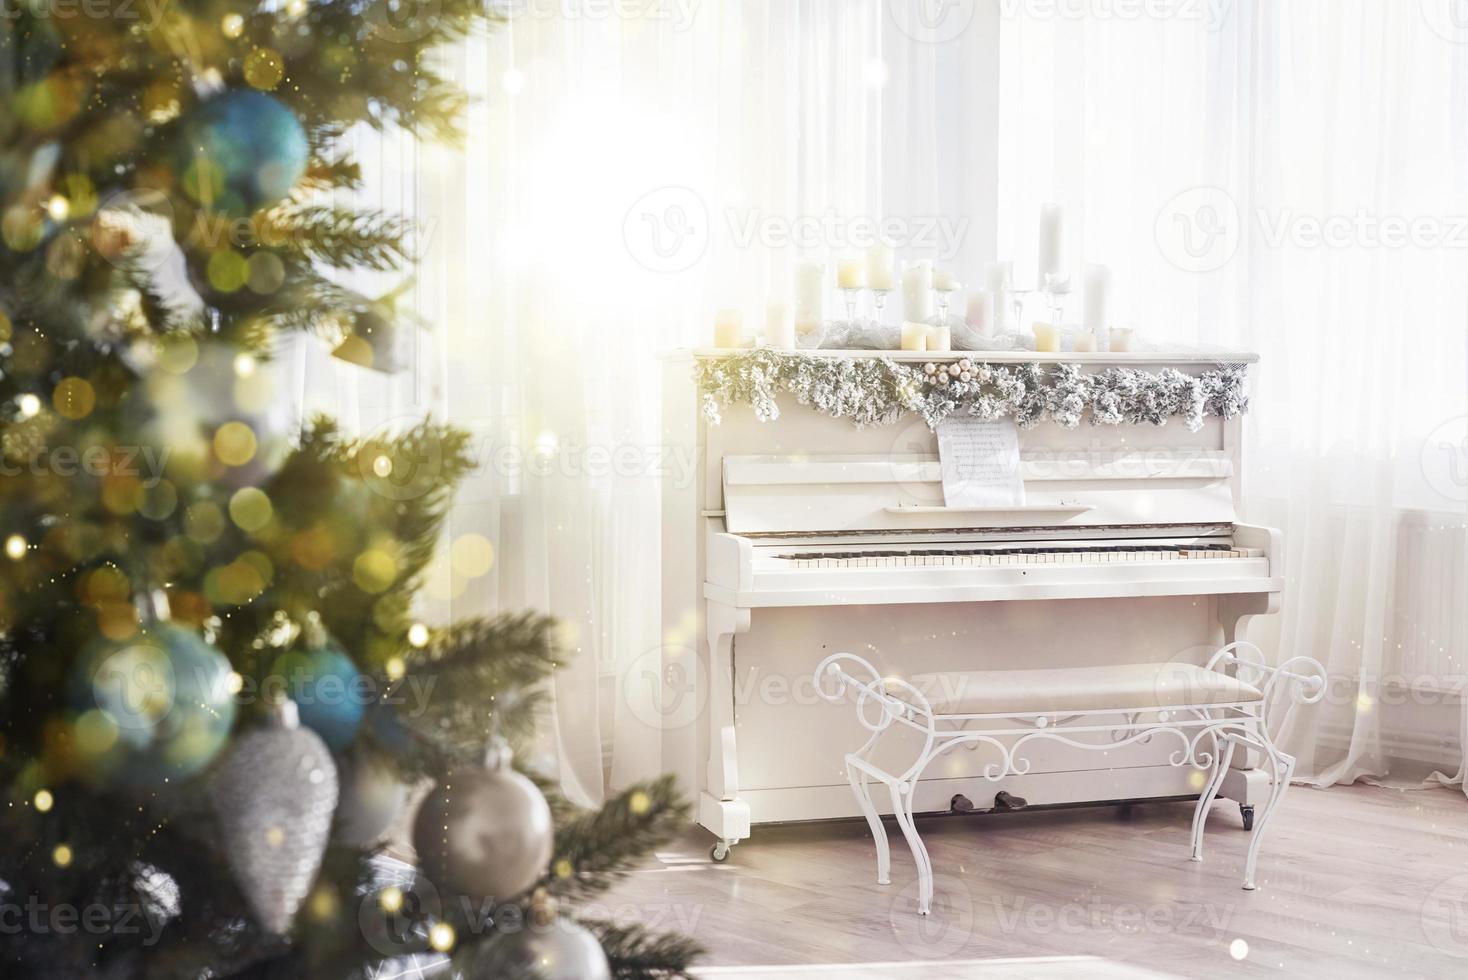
x=216, y=697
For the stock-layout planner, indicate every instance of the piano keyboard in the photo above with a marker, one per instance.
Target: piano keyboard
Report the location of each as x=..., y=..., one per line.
x=993, y=557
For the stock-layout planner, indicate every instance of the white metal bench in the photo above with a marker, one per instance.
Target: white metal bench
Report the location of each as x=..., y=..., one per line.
x=1208, y=711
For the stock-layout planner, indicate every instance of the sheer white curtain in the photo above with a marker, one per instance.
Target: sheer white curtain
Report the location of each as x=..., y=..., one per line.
x=629, y=169
x=1246, y=168
x=1290, y=177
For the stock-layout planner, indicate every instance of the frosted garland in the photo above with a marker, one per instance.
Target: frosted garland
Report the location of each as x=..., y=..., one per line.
x=878, y=390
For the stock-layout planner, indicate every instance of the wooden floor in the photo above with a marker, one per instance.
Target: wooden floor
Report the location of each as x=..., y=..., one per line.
x=1354, y=882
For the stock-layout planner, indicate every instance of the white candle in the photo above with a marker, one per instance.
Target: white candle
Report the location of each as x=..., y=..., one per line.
x=1000, y=277
x=943, y=280
x=1051, y=230
x=1121, y=339
x=981, y=312
x=851, y=273
x=880, y=274
x=1047, y=337
x=1097, y=300
x=940, y=339
x=780, y=327
x=914, y=336
x=810, y=289
x=1085, y=342
x=728, y=329
x=917, y=290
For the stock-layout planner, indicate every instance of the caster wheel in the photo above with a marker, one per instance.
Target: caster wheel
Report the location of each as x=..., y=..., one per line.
x=1247, y=812
x=719, y=852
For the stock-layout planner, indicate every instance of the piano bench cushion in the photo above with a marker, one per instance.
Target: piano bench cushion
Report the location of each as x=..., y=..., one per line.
x=1112, y=687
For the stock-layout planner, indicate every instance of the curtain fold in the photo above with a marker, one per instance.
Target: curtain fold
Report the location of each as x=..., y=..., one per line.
x=1236, y=165
x=1288, y=179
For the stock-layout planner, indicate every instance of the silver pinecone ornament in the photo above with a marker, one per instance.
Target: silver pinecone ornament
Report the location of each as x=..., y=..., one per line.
x=274, y=794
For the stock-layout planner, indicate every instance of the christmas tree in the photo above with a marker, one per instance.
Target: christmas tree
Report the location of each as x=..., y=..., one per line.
x=215, y=696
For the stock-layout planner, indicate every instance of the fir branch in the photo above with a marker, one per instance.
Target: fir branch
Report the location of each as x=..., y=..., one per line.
x=309, y=301
x=597, y=847
x=474, y=676
x=342, y=237
x=330, y=173
x=636, y=954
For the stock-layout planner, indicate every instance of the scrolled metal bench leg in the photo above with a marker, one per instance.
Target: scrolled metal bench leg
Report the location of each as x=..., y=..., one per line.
x=1222, y=758
x=861, y=787
x=1284, y=767
x=901, y=807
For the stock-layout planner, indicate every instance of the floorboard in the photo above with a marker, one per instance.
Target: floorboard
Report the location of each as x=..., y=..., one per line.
x=1354, y=881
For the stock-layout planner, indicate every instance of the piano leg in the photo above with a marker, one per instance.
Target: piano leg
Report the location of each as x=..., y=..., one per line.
x=719, y=807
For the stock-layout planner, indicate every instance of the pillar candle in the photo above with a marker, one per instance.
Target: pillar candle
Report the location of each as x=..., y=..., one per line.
x=981, y=312
x=780, y=327
x=850, y=273
x=1047, y=337
x=1085, y=342
x=917, y=290
x=914, y=336
x=1051, y=228
x=728, y=329
x=810, y=289
x=943, y=280
x=1097, y=303
x=1000, y=278
x=940, y=339
x=879, y=268
x=1121, y=339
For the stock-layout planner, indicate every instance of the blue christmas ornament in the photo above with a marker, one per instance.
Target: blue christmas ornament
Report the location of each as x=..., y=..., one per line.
x=152, y=709
x=328, y=691
x=241, y=151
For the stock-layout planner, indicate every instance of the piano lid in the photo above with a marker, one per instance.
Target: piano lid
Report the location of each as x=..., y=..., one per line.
x=806, y=494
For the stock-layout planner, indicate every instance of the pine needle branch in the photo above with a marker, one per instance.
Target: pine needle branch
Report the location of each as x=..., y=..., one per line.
x=599, y=846
x=342, y=237
x=634, y=953
x=463, y=678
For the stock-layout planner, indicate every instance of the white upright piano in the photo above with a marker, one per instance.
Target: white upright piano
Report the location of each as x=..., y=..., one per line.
x=784, y=541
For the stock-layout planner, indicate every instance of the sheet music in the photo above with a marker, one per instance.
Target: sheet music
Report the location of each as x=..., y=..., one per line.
x=980, y=462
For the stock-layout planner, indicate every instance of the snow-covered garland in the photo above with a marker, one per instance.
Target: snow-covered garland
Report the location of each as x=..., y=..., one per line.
x=878, y=390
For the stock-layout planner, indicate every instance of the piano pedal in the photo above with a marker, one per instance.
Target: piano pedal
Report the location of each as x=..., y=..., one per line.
x=960, y=804
x=1005, y=800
